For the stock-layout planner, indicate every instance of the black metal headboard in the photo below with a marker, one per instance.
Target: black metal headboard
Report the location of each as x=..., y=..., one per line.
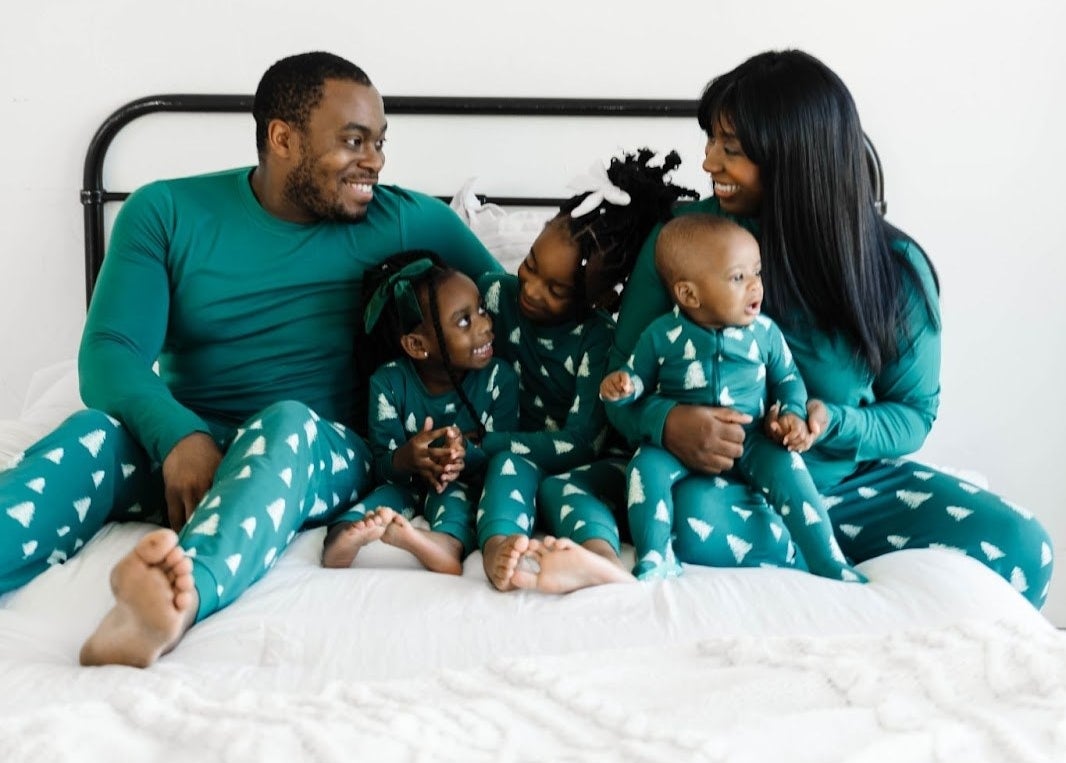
x=94, y=196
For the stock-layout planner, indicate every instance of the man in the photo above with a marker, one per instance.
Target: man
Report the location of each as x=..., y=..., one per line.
x=244, y=285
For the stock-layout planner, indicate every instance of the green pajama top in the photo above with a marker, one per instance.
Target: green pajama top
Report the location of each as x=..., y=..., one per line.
x=240, y=308
x=400, y=403
x=737, y=367
x=562, y=420
x=870, y=417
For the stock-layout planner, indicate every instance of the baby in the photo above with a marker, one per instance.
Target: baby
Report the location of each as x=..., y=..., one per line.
x=715, y=348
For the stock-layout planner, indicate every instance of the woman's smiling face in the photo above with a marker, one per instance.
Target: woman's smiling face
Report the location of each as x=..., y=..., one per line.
x=735, y=176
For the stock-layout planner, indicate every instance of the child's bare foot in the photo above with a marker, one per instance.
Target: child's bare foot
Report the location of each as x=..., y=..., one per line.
x=500, y=557
x=155, y=603
x=558, y=565
x=344, y=541
x=438, y=552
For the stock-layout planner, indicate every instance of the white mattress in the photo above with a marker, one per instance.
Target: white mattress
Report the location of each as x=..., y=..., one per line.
x=937, y=658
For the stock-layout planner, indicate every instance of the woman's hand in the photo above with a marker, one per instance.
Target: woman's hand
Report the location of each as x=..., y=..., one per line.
x=436, y=465
x=704, y=438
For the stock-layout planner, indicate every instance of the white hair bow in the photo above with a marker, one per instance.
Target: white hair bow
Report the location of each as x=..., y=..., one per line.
x=600, y=189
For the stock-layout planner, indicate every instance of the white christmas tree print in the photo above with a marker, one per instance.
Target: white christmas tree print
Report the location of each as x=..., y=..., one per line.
x=851, y=530
x=233, y=561
x=694, y=376
x=724, y=398
x=93, y=441
x=1018, y=580
x=82, y=507
x=22, y=513
x=208, y=527
x=636, y=488
x=662, y=514
x=912, y=498
x=492, y=297
x=276, y=511
x=318, y=508
x=583, y=369
x=701, y=528
x=958, y=512
x=690, y=350
x=739, y=547
x=672, y=335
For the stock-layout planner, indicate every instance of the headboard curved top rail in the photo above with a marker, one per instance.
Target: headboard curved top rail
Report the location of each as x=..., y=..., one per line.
x=94, y=195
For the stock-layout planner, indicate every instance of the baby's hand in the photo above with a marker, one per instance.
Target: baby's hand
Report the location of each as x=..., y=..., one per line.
x=616, y=385
x=794, y=432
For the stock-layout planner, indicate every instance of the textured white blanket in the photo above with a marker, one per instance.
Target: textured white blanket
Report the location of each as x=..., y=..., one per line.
x=972, y=692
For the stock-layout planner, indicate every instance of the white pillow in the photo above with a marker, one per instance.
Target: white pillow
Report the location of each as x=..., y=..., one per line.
x=506, y=233
x=52, y=396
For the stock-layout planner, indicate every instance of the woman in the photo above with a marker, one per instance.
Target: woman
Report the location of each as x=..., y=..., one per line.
x=858, y=303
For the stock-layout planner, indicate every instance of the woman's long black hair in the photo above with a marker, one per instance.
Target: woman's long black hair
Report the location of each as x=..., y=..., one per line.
x=382, y=343
x=825, y=249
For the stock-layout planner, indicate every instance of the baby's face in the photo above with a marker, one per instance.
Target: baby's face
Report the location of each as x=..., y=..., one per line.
x=727, y=279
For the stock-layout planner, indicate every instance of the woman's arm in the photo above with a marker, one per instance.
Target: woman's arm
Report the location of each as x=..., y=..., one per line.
x=906, y=391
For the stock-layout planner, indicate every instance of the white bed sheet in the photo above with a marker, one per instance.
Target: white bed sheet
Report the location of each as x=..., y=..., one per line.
x=937, y=658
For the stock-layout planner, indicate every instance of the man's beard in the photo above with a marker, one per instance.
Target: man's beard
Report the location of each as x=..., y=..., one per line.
x=301, y=190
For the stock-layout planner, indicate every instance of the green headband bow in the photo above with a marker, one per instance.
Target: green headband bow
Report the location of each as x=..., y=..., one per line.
x=398, y=287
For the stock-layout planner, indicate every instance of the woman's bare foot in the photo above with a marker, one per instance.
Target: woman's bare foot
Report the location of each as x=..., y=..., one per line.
x=438, y=552
x=155, y=603
x=558, y=565
x=500, y=557
x=344, y=541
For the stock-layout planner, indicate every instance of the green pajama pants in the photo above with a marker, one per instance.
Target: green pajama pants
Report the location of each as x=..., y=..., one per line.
x=884, y=506
x=768, y=468
x=450, y=511
x=283, y=471
x=575, y=504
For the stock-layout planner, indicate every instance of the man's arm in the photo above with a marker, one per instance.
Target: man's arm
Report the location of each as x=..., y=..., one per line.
x=434, y=225
x=127, y=325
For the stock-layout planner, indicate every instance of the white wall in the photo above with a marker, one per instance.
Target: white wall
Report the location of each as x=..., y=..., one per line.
x=964, y=101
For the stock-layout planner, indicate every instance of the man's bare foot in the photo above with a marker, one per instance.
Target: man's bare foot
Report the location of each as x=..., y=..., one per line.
x=500, y=558
x=344, y=541
x=558, y=565
x=155, y=603
x=438, y=552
